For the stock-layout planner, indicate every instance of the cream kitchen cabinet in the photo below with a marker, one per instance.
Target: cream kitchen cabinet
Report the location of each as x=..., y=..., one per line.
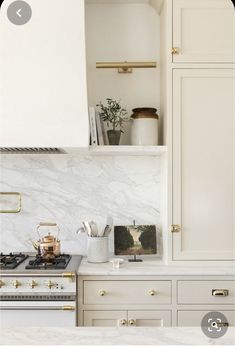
x=203, y=164
x=203, y=31
x=43, y=91
x=114, y=318
x=193, y=318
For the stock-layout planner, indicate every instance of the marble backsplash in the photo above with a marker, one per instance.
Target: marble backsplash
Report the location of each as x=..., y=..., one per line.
x=68, y=189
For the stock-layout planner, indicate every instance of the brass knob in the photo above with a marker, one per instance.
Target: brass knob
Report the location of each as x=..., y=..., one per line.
x=123, y=322
x=131, y=322
x=152, y=292
x=220, y=292
x=175, y=50
x=102, y=293
x=1, y=283
x=16, y=283
x=175, y=228
x=50, y=284
x=33, y=284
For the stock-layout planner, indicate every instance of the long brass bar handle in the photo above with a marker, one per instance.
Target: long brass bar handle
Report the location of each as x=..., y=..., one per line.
x=68, y=308
x=220, y=292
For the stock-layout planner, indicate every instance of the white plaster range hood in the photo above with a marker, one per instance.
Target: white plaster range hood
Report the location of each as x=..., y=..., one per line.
x=43, y=90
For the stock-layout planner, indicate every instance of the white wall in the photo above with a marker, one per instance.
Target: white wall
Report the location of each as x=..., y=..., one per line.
x=70, y=189
x=123, y=32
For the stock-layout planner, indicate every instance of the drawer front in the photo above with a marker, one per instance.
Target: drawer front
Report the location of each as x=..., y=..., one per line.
x=206, y=292
x=127, y=292
x=194, y=318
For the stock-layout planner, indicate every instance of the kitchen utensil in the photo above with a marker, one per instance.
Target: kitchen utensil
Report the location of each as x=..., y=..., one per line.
x=87, y=228
x=108, y=227
x=47, y=246
x=94, y=229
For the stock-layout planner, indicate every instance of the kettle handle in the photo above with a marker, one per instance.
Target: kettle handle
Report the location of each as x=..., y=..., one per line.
x=48, y=224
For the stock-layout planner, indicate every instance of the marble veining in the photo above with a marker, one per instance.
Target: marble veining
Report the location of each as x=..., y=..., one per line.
x=68, y=189
x=152, y=267
x=111, y=336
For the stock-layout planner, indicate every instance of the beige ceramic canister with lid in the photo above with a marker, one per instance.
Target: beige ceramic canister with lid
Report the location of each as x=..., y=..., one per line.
x=144, y=129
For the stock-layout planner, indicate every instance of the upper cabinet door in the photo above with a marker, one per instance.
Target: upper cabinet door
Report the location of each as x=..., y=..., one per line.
x=43, y=92
x=203, y=31
x=204, y=164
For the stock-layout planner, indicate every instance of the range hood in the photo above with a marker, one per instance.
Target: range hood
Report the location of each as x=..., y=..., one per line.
x=43, y=88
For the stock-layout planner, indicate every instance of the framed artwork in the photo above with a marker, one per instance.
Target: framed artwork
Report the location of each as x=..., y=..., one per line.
x=135, y=240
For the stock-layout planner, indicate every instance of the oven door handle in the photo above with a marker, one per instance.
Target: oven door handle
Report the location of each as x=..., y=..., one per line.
x=63, y=308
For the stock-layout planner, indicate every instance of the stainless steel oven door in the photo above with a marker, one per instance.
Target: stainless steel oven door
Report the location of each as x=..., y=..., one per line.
x=38, y=314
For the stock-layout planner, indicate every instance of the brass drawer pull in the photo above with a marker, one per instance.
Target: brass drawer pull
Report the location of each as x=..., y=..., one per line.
x=102, y=293
x=132, y=322
x=220, y=292
x=123, y=322
x=152, y=292
x=175, y=50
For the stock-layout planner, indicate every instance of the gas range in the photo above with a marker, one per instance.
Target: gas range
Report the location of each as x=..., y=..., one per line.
x=34, y=292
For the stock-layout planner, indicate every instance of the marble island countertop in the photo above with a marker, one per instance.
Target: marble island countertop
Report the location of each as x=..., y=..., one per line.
x=151, y=267
x=111, y=336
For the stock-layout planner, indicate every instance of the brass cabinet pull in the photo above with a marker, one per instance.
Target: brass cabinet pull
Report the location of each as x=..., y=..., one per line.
x=222, y=324
x=131, y=322
x=175, y=228
x=220, y=292
x=102, y=293
x=152, y=292
x=123, y=322
x=175, y=50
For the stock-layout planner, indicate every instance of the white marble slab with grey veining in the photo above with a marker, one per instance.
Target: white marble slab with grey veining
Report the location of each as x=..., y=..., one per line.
x=152, y=267
x=111, y=336
x=69, y=189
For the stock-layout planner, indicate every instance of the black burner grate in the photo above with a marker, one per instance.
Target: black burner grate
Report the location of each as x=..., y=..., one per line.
x=58, y=262
x=12, y=260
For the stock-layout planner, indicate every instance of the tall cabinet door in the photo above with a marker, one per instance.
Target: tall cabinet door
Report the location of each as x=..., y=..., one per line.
x=203, y=31
x=204, y=164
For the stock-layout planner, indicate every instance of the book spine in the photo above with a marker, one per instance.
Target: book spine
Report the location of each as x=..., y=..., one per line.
x=99, y=130
x=92, y=118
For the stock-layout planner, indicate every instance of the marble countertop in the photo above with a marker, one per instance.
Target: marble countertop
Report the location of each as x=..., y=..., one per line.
x=111, y=336
x=151, y=267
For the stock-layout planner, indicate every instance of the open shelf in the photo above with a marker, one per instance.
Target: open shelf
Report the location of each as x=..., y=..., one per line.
x=128, y=150
x=157, y=4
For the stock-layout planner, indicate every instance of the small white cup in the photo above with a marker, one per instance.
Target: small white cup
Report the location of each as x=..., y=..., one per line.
x=116, y=262
x=98, y=249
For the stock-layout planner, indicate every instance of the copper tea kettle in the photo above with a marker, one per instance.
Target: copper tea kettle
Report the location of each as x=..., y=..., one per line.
x=47, y=246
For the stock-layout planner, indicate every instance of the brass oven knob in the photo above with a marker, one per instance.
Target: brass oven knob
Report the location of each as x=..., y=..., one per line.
x=152, y=292
x=50, y=284
x=123, y=322
x=1, y=283
x=16, y=283
x=131, y=322
x=102, y=293
x=33, y=284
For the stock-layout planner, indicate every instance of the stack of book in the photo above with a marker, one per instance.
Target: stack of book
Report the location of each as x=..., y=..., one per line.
x=97, y=132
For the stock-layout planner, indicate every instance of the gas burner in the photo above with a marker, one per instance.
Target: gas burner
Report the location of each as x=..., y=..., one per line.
x=11, y=260
x=58, y=262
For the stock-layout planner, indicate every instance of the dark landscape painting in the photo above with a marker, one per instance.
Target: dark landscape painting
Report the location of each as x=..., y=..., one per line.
x=135, y=240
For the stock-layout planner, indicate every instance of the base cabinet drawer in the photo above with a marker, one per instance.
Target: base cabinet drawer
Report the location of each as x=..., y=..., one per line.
x=206, y=292
x=127, y=292
x=194, y=318
x=127, y=318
